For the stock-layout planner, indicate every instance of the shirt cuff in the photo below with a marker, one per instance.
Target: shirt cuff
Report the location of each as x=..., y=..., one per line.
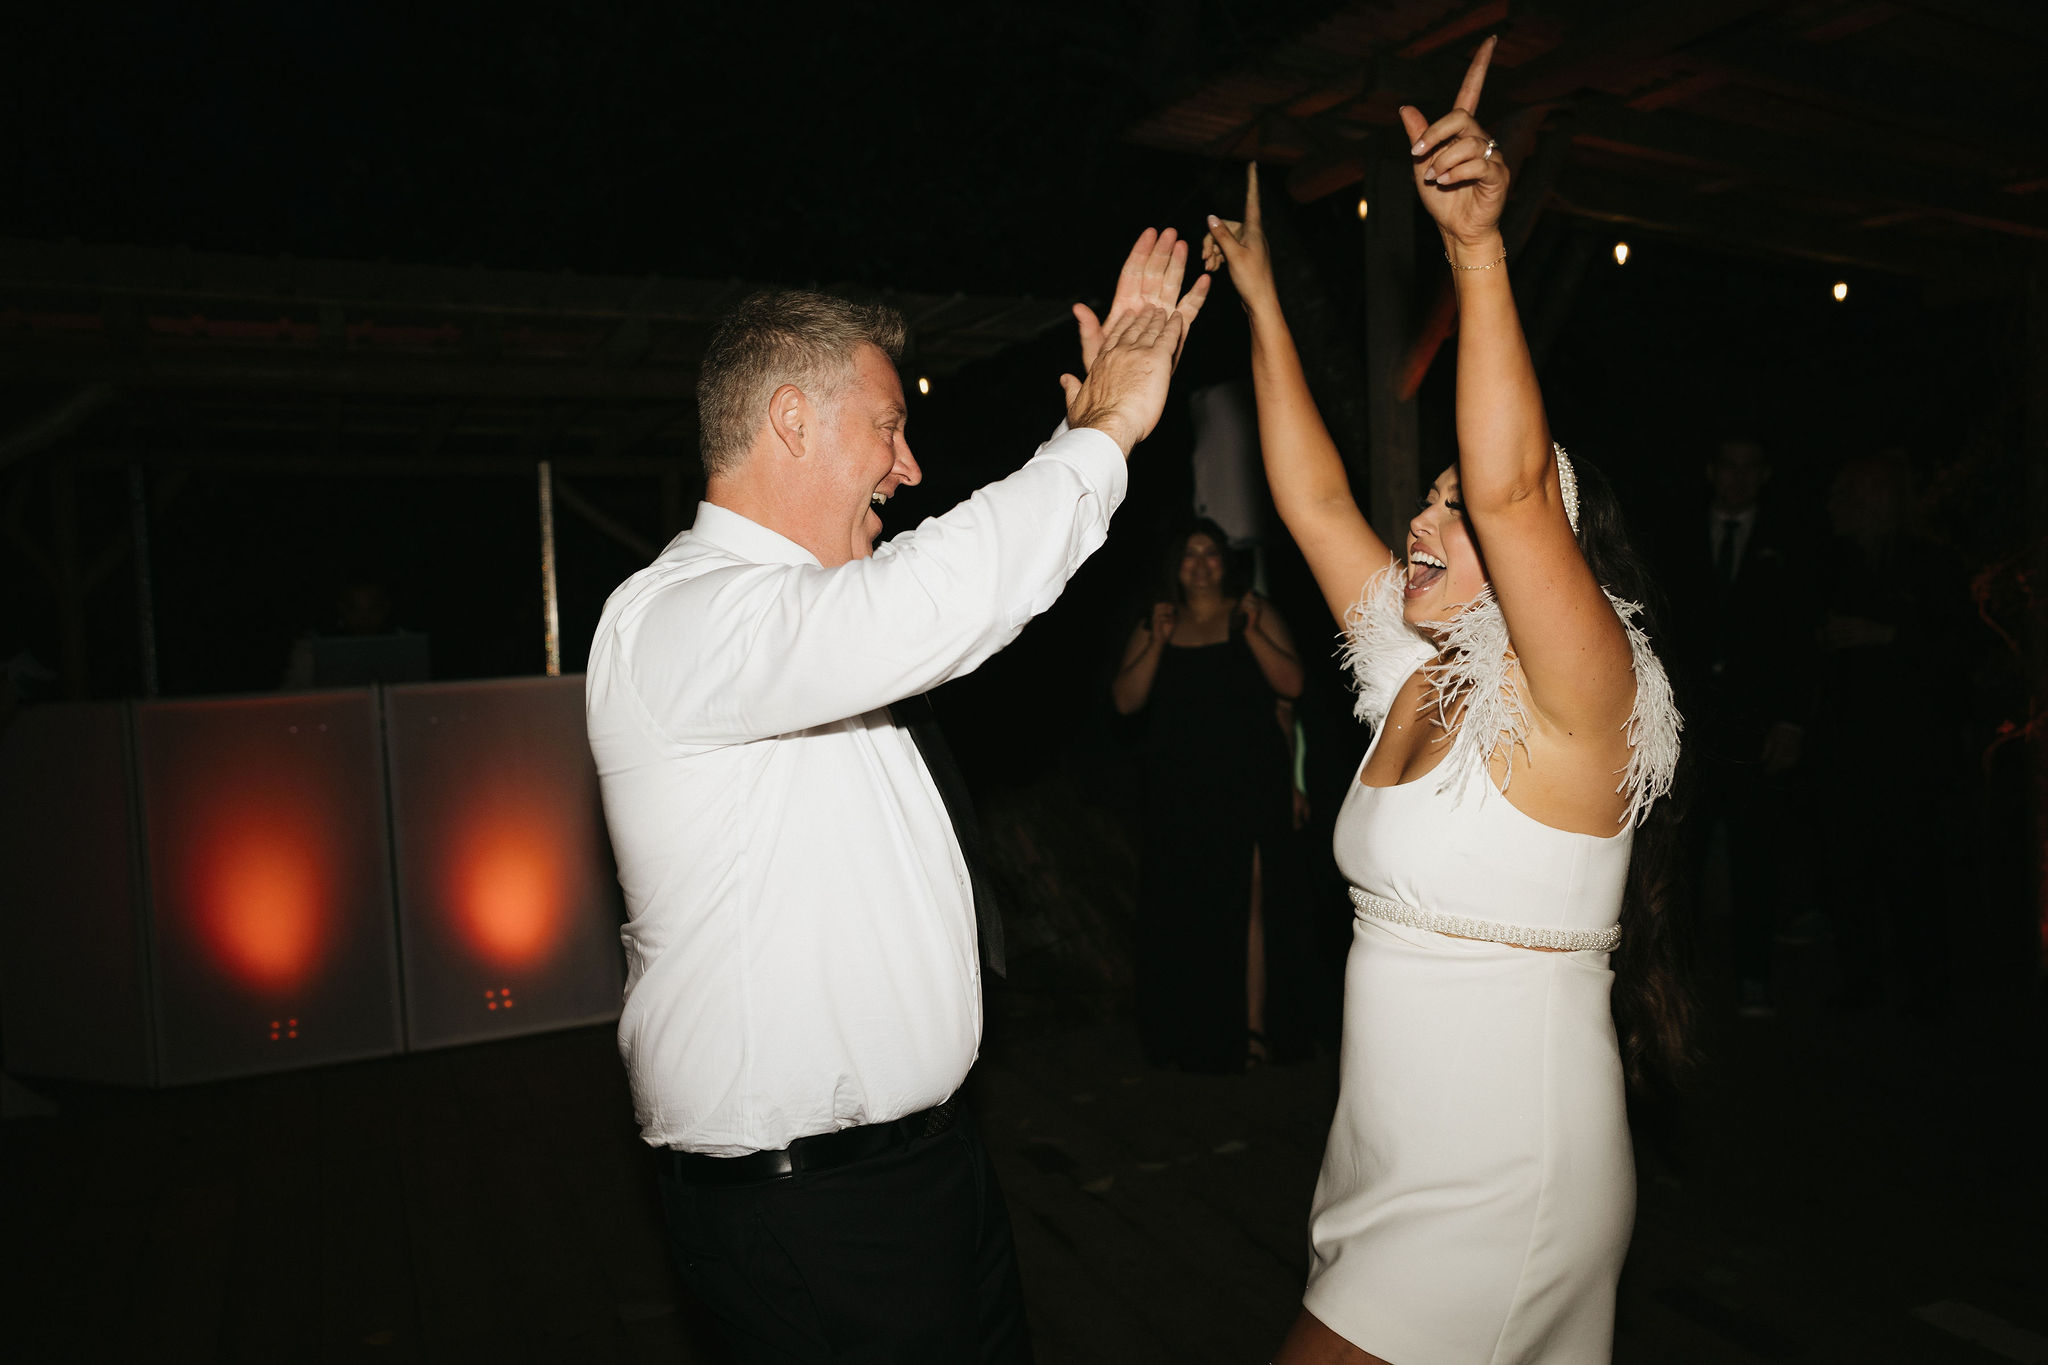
x=1096, y=455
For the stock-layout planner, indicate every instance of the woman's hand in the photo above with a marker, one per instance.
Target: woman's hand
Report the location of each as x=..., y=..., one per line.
x=1150, y=279
x=1164, y=619
x=1242, y=248
x=1463, y=183
x=1248, y=607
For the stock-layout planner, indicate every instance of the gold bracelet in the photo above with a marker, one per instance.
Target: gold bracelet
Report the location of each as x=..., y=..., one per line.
x=1488, y=266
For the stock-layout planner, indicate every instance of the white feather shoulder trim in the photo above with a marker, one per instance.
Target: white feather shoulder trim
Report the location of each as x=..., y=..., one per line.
x=1471, y=674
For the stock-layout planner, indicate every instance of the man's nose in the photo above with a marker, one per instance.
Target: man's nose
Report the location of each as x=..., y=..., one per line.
x=906, y=465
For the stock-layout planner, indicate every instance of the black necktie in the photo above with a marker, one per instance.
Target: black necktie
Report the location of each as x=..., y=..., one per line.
x=1724, y=550
x=915, y=717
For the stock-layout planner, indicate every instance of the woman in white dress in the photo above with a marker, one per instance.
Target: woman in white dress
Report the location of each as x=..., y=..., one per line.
x=1478, y=1189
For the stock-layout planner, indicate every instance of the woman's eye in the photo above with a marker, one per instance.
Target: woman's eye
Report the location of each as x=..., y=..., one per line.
x=1455, y=506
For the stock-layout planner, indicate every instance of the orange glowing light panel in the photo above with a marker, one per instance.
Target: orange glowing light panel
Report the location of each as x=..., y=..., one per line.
x=268, y=864
x=505, y=888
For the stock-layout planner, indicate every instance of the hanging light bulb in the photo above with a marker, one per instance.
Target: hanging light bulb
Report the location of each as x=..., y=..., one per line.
x=1621, y=253
x=924, y=385
x=1841, y=290
x=1362, y=208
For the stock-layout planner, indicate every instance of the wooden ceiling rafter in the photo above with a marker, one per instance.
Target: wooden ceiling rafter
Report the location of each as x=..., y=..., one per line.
x=1732, y=96
x=429, y=363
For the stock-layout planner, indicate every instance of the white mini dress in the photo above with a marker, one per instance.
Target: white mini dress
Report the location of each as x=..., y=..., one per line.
x=1478, y=1189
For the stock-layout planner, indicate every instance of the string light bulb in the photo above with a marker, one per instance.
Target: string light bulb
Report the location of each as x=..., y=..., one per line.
x=1841, y=290
x=1363, y=207
x=924, y=385
x=1621, y=253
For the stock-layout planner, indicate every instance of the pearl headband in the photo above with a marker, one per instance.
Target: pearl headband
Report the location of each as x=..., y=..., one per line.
x=1568, y=485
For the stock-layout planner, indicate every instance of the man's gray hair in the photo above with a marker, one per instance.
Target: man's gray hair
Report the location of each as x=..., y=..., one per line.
x=777, y=337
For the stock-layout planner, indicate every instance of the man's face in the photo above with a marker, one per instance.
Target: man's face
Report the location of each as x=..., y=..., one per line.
x=1737, y=474
x=865, y=454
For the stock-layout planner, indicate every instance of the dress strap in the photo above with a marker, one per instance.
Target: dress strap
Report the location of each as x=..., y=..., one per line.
x=1488, y=930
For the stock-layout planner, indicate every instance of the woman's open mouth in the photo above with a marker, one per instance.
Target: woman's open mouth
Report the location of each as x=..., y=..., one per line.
x=1424, y=569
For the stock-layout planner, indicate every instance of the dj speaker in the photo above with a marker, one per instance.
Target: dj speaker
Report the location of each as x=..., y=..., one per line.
x=74, y=981
x=270, y=889
x=508, y=905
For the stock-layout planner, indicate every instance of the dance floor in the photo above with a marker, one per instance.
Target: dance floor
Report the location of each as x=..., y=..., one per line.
x=1836, y=1189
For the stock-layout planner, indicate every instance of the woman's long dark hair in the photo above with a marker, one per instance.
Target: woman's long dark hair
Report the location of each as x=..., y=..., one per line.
x=1654, y=1008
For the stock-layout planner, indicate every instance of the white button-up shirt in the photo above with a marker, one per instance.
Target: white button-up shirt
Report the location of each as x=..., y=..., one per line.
x=800, y=941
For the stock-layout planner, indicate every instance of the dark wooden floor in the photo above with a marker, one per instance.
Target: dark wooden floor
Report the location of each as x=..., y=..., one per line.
x=1834, y=1189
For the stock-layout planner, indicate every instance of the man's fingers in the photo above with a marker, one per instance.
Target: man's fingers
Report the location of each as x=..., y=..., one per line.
x=1192, y=301
x=1091, y=335
x=1252, y=215
x=1071, y=386
x=1475, y=77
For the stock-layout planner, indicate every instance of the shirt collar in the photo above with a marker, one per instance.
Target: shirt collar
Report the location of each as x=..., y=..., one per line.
x=747, y=539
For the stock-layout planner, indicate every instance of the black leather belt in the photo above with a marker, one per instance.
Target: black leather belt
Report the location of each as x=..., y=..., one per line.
x=822, y=1152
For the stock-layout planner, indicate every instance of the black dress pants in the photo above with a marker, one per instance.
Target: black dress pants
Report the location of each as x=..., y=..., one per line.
x=905, y=1256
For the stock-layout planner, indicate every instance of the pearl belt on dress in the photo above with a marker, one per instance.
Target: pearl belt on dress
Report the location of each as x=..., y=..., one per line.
x=1489, y=930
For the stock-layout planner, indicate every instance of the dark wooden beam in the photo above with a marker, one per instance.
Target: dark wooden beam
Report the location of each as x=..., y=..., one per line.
x=1763, y=229
x=287, y=462
x=354, y=375
x=54, y=423
x=1959, y=117
x=2034, y=434
x=1630, y=37
x=1848, y=173
x=2021, y=18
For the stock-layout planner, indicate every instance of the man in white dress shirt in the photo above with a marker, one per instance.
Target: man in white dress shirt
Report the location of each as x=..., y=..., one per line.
x=803, y=992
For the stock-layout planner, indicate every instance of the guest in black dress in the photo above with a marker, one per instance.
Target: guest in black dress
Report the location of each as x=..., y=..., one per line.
x=1206, y=667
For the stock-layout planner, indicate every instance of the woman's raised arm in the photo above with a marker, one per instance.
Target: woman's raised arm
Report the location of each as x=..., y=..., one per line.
x=1572, y=647
x=1303, y=467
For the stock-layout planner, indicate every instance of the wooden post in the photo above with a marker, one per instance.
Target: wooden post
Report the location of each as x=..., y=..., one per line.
x=550, y=608
x=145, y=588
x=70, y=580
x=1393, y=434
x=2035, y=461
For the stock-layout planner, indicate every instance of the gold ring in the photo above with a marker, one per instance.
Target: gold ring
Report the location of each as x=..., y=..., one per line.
x=1490, y=145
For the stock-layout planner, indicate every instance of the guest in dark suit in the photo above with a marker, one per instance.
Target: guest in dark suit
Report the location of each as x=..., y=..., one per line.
x=1745, y=646
x=1891, y=752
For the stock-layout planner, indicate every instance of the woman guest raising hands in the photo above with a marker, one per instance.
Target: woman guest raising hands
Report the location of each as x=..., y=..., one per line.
x=1206, y=667
x=1477, y=1190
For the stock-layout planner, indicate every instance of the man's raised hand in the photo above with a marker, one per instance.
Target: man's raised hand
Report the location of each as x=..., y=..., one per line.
x=1125, y=390
x=1150, y=278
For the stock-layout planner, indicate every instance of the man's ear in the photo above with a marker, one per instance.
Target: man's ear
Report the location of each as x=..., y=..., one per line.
x=792, y=419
